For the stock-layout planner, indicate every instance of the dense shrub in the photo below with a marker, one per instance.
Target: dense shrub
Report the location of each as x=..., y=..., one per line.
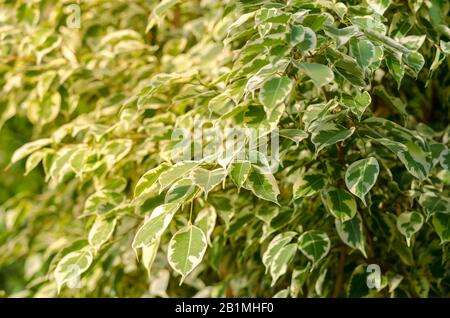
x=101, y=179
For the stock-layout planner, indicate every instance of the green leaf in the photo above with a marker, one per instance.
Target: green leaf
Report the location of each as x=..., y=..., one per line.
x=186, y=250
x=206, y=221
x=299, y=277
x=379, y=6
x=441, y=223
x=239, y=172
x=274, y=91
x=361, y=176
x=296, y=135
x=71, y=266
x=434, y=203
x=409, y=223
x=416, y=161
x=341, y=36
x=147, y=182
x=351, y=233
x=319, y=73
x=309, y=184
x=101, y=231
x=296, y=36
x=174, y=173
x=208, y=179
x=340, y=203
x=396, y=69
x=281, y=261
x=29, y=148
x=309, y=41
x=357, y=103
x=444, y=159
x=329, y=134
x=263, y=185
x=182, y=191
x=149, y=253
x=314, y=244
x=274, y=247
x=363, y=51
x=155, y=225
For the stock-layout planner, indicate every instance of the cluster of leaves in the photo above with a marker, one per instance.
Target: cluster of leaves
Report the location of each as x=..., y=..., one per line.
x=358, y=90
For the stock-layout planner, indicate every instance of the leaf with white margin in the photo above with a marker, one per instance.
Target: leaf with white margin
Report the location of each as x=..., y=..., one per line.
x=116, y=150
x=329, y=134
x=101, y=231
x=320, y=74
x=281, y=261
x=363, y=51
x=155, y=225
x=416, y=161
x=296, y=36
x=71, y=266
x=299, y=277
x=409, y=223
x=263, y=185
x=309, y=184
x=357, y=103
x=186, y=250
x=379, y=6
x=296, y=135
x=206, y=221
x=147, y=182
x=341, y=36
x=441, y=224
x=29, y=148
x=314, y=244
x=434, y=203
x=340, y=203
x=274, y=91
x=309, y=41
x=394, y=146
x=351, y=233
x=278, y=242
x=182, y=191
x=239, y=172
x=208, y=179
x=149, y=254
x=361, y=176
x=174, y=173
x=444, y=159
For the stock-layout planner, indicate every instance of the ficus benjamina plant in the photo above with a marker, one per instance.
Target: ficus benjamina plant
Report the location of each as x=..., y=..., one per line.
x=106, y=189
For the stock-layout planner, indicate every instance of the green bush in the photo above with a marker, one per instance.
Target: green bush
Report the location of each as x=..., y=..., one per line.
x=106, y=190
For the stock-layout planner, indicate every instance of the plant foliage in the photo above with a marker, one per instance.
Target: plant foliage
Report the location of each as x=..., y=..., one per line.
x=90, y=189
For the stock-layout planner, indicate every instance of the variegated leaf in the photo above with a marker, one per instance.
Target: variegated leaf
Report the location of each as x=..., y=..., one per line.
x=239, y=172
x=329, y=134
x=351, y=232
x=274, y=247
x=208, y=179
x=314, y=244
x=340, y=203
x=147, y=182
x=186, y=250
x=408, y=223
x=281, y=261
x=361, y=176
x=274, y=91
x=309, y=184
x=263, y=185
x=101, y=231
x=155, y=225
x=206, y=221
